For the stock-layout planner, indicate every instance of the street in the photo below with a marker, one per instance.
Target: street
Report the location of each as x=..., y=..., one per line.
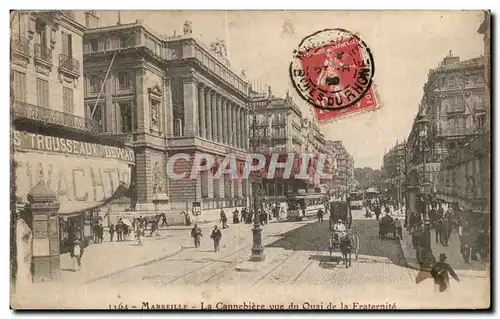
x=297, y=258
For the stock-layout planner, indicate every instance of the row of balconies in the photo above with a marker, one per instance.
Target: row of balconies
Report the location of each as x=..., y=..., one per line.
x=43, y=54
x=38, y=113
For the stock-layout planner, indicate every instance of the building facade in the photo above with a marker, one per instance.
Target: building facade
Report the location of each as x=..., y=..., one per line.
x=453, y=103
x=170, y=95
x=342, y=167
x=59, y=153
x=393, y=170
x=465, y=177
x=276, y=129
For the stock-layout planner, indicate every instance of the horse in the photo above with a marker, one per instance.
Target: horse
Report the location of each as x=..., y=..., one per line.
x=346, y=244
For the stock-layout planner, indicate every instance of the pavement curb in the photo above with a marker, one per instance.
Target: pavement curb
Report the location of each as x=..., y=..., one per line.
x=145, y=263
x=461, y=273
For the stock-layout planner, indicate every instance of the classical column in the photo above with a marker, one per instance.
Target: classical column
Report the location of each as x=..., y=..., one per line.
x=220, y=124
x=242, y=128
x=224, y=121
x=233, y=126
x=190, y=106
x=214, y=115
x=245, y=122
x=208, y=109
x=230, y=123
x=238, y=127
x=201, y=105
x=169, y=116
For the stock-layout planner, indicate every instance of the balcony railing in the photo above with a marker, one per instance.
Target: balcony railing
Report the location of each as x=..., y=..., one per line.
x=126, y=137
x=34, y=112
x=69, y=65
x=43, y=53
x=21, y=44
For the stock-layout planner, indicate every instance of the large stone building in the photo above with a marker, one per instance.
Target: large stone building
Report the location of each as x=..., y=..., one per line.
x=170, y=95
x=465, y=177
x=313, y=139
x=453, y=102
x=393, y=170
x=61, y=157
x=342, y=168
x=276, y=129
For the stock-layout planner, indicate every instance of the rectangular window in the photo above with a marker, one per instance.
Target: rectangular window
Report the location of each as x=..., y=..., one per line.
x=97, y=116
x=41, y=34
x=126, y=117
x=481, y=120
x=95, y=84
x=67, y=44
x=94, y=45
x=68, y=101
x=125, y=41
x=42, y=93
x=19, y=86
x=123, y=80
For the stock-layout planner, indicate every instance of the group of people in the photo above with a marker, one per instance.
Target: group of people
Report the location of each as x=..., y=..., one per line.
x=136, y=230
x=216, y=236
x=247, y=216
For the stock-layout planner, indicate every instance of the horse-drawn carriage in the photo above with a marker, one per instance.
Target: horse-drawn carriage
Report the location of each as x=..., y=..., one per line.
x=387, y=226
x=342, y=237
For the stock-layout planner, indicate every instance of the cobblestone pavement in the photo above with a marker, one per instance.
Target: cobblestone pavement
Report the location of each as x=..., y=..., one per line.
x=297, y=270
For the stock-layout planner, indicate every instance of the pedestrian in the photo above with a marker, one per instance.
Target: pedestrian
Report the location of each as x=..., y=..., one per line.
x=378, y=211
x=244, y=215
x=216, y=237
x=126, y=231
x=139, y=233
x=119, y=230
x=77, y=250
x=399, y=228
x=320, y=215
x=439, y=230
x=164, y=219
x=196, y=233
x=236, y=216
x=154, y=229
x=440, y=273
x=111, y=231
x=223, y=219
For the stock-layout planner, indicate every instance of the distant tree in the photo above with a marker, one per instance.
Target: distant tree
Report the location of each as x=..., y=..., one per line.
x=367, y=177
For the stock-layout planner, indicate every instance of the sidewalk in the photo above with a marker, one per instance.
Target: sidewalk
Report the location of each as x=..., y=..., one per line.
x=454, y=257
x=102, y=260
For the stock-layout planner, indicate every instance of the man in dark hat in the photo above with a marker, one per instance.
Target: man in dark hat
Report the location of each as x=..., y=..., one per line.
x=440, y=273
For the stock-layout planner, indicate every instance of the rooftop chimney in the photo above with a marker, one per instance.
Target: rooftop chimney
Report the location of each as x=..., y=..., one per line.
x=450, y=59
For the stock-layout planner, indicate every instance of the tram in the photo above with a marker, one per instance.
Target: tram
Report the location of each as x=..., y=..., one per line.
x=299, y=206
x=356, y=199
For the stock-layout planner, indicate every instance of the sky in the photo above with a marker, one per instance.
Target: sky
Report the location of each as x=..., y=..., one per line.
x=405, y=46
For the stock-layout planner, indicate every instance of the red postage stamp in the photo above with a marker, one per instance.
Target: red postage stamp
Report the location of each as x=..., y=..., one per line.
x=369, y=102
x=333, y=71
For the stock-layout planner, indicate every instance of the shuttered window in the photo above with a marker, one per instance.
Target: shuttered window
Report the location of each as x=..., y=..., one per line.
x=68, y=102
x=42, y=93
x=19, y=86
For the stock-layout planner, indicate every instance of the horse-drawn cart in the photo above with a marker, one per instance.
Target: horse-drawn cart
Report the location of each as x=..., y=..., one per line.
x=344, y=241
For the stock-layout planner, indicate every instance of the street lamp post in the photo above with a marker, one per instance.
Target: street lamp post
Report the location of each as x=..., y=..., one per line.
x=257, y=192
x=425, y=241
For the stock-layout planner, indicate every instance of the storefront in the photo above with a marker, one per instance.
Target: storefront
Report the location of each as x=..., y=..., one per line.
x=83, y=172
